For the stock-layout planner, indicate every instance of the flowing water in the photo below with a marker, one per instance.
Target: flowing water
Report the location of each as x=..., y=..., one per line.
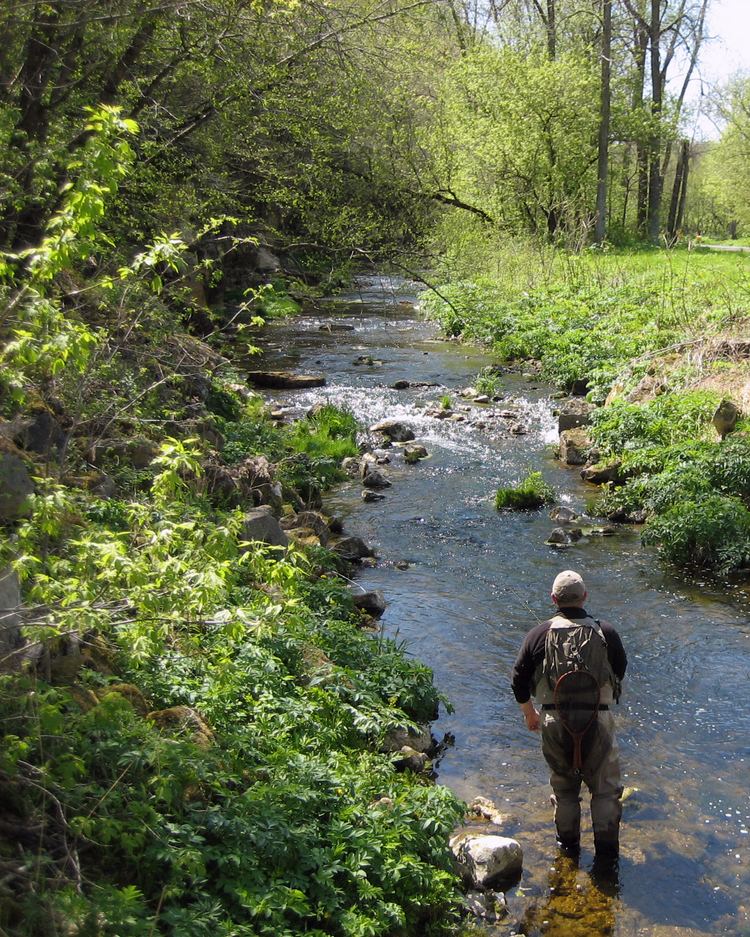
x=477, y=580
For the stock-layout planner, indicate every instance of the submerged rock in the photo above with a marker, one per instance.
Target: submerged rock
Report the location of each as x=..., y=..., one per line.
x=563, y=514
x=394, y=430
x=413, y=454
x=285, y=380
x=489, y=906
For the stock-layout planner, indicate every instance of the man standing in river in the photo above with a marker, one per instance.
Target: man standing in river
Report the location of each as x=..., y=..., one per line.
x=596, y=751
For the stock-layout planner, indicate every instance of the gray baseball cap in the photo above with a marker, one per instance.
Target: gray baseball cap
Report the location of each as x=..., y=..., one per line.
x=568, y=587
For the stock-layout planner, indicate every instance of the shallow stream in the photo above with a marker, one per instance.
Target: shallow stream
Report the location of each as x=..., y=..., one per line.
x=477, y=580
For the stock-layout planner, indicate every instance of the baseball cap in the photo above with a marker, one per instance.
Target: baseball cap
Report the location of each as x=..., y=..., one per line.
x=568, y=587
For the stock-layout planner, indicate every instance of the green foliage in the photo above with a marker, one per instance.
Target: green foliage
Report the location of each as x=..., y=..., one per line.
x=594, y=317
x=274, y=302
x=668, y=419
x=532, y=492
x=710, y=533
x=274, y=827
x=327, y=436
x=489, y=382
x=516, y=136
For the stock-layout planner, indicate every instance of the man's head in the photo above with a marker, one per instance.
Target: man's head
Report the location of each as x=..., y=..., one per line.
x=568, y=589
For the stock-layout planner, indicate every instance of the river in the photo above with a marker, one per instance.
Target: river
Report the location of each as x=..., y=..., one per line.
x=477, y=580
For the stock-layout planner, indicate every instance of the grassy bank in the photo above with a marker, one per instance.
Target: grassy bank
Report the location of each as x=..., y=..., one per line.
x=656, y=339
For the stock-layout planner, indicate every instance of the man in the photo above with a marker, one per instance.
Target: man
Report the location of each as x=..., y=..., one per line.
x=599, y=766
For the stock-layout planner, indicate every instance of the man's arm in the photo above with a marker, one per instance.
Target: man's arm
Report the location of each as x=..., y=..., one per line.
x=523, y=674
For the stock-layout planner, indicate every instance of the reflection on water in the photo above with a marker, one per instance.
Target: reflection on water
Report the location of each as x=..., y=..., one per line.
x=478, y=580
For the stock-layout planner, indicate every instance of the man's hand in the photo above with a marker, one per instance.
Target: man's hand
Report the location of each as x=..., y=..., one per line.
x=533, y=722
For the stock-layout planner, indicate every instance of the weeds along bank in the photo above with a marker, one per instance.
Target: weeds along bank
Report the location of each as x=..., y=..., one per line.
x=657, y=339
x=193, y=721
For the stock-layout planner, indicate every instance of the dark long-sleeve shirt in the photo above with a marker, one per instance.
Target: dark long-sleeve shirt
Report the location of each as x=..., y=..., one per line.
x=531, y=654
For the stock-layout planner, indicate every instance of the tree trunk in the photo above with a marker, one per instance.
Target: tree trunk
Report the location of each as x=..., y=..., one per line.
x=673, y=221
x=655, y=180
x=551, y=30
x=605, y=103
x=641, y=158
x=683, y=192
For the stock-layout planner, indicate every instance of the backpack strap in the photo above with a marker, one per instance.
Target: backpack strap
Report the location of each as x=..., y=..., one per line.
x=562, y=621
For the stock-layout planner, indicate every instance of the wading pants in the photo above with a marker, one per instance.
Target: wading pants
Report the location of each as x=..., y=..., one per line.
x=601, y=774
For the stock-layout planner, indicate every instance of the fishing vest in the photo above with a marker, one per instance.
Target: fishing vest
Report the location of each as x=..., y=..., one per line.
x=574, y=644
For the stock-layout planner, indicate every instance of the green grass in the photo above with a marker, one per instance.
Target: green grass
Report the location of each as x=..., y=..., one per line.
x=532, y=492
x=591, y=317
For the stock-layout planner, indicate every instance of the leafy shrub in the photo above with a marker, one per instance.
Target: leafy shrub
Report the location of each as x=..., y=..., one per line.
x=664, y=421
x=729, y=467
x=532, y=492
x=710, y=533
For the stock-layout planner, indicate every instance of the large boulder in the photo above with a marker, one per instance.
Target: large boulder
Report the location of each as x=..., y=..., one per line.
x=309, y=520
x=574, y=446
x=285, y=380
x=15, y=486
x=260, y=525
x=725, y=418
x=10, y=620
x=486, y=860
x=610, y=473
x=40, y=432
x=574, y=413
x=373, y=603
x=352, y=549
x=394, y=430
x=137, y=451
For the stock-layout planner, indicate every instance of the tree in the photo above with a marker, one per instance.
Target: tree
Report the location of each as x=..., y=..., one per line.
x=605, y=107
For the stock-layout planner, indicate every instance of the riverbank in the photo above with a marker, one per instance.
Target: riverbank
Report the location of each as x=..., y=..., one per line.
x=204, y=728
x=656, y=341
